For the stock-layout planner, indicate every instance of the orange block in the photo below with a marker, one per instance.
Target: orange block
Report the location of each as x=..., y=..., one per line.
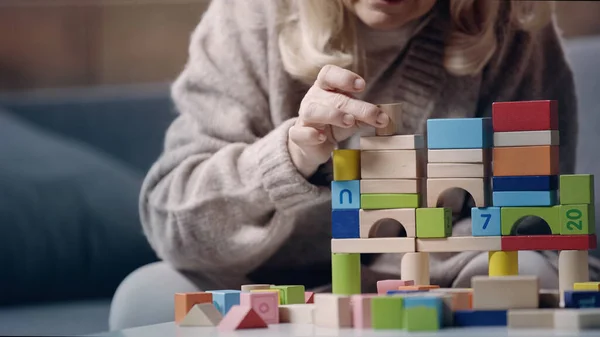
x=526, y=161
x=418, y=287
x=185, y=301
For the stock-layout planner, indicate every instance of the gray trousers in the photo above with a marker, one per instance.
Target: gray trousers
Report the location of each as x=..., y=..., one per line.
x=146, y=296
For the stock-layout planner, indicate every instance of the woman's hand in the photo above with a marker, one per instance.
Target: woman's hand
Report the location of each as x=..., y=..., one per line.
x=329, y=114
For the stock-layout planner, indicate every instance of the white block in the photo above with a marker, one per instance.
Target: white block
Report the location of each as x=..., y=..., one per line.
x=332, y=311
x=399, y=142
x=505, y=292
x=577, y=319
x=297, y=313
x=478, y=188
x=457, y=170
x=526, y=138
x=474, y=156
x=459, y=244
x=372, y=217
x=376, y=245
x=392, y=164
x=379, y=186
x=531, y=318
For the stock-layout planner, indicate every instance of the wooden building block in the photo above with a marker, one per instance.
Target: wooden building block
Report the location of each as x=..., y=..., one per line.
x=423, y=313
x=434, y=222
x=591, y=286
x=246, y=288
x=457, y=170
x=398, y=142
x=473, y=318
x=291, y=294
x=459, y=244
x=526, y=161
x=531, y=318
x=577, y=219
x=394, y=112
x=478, y=188
x=576, y=189
x=345, y=223
x=485, y=221
x=309, y=297
x=525, y=115
x=389, y=201
x=474, y=156
x=510, y=215
x=418, y=287
x=524, y=198
x=346, y=164
x=582, y=299
x=393, y=186
x=505, y=292
x=392, y=164
x=361, y=310
x=405, y=216
x=526, y=138
x=275, y=291
x=461, y=297
x=415, y=266
x=241, y=317
x=297, y=313
x=503, y=263
x=345, y=194
x=549, y=242
x=373, y=246
x=459, y=133
x=225, y=299
x=549, y=298
x=387, y=313
x=577, y=319
x=203, y=314
x=384, y=285
x=185, y=301
x=332, y=311
x=264, y=304
x=525, y=183
x=345, y=274
x=572, y=268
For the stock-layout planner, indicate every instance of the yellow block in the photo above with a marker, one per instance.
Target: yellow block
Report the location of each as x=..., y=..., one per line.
x=278, y=291
x=346, y=164
x=502, y=263
x=593, y=286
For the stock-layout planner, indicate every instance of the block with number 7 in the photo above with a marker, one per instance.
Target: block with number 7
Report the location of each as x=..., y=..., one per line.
x=485, y=221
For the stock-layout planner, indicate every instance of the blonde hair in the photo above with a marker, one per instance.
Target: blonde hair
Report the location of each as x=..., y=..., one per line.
x=318, y=32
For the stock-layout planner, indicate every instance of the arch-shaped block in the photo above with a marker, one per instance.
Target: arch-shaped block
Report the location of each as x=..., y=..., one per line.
x=370, y=218
x=478, y=188
x=509, y=216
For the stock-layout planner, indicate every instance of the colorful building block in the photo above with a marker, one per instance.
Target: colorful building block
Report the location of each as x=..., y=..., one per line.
x=225, y=299
x=577, y=219
x=392, y=164
x=525, y=115
x=203, y=314
x=361, y=310
x=185, y=301
x=505, y=292
x=393, y=186
x=332, y=311
x=309, y=297
x=459, y=133
x=389, y=201
x=526, y=138
x=576, y=189
x=387, y=313
x=434, y=302
x=396, y=142
x=291, y=294
x=383, y=286
x=503, y=263
x=249, y=287
x=345, y=274
x=524, y=198
x=345, y=194
x=458, y=244
x=421, y=318
x=473, y=318
x=549, y=242
x=369, y=220
x=526, y=161
x=510, y=215
x=241, y=317
x=485, y=221
x=478, y=188
x=345, y=223
x=459, y=156
x=346, y=164
x=276, y=291
x=591, y=286
x=434, y=222
x=582, y=299
x=525, y=183
x=265, y=304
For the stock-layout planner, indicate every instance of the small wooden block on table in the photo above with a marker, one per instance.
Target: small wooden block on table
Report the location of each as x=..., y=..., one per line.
x=505, y=292
x=296, y=313
x=332, y=311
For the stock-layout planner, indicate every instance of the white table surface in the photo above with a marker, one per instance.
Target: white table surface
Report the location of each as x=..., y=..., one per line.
x=301, y=330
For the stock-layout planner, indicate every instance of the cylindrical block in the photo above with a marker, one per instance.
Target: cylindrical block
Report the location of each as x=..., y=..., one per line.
x=346, y=164
x=345, y=273
x=415, y=266
x=502, y=263
x=572, y=267
x=394, y=112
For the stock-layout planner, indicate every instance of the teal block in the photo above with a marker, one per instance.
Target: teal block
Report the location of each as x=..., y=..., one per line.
x=223, y=300
x=426, y=301
x=485, y=221
x=524, y=198
x=459, y=133
x=345, y=194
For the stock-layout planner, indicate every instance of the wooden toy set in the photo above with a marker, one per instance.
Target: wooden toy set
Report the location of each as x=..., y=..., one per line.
x=508, y=164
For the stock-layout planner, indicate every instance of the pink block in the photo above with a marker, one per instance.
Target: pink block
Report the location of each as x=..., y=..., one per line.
x=265, y=304
x=361, y=310
x=309, y=297
x=384, y=285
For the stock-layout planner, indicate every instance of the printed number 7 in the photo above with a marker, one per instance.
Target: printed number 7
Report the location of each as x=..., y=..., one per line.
x=487, y=219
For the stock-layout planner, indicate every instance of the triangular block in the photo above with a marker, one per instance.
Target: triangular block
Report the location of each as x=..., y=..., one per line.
x=204, y=314
x=241, y=317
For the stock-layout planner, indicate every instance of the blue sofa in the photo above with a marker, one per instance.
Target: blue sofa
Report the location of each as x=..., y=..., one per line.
x=72, y=162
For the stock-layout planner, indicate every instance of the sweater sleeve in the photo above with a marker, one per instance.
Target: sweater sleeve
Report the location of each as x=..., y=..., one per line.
x=223, y=195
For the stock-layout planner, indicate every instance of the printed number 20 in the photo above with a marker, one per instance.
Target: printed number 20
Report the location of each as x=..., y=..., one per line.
x=574, y=214
x=487, y=219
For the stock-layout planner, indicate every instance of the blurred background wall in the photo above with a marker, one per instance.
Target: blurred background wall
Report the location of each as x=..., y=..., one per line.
x=63, y=43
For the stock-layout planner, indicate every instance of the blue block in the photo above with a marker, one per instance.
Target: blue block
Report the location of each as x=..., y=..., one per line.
x=485, y=221
x=345, y=224
x=582, y=299
x=524, y=198
x=426, y=301
x=525, y=183
x=480, y=318
x=459, y=133
x=345, y=194
x=225, y=299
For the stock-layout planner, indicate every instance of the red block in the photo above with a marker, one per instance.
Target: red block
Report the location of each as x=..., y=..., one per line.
x=241, y=317
x=525, y=116
x=548, y=242
x=309, y=297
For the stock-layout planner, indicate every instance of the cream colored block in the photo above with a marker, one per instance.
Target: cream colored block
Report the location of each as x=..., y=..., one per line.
x=392, y=164
x=479, y=188
x=369, y=218
x=577, y=319
x=415, y=266
x=526, y=138
x=379, y=186
x=202, y=314
x=401, y=142
x=246, y=288
x=458, y=156
x=332, y=311
x=531, y=318
x=505, y=292
x=297, y=313
x=377, y=245
x=394, y=112
x=459, y=244
x=457, y=170
x=572, y=267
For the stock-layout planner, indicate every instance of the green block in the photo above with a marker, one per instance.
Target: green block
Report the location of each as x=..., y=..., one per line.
x=510, y=215
x=291, y=294
x=577, y=219
x=386, y=201
x=387, y=313
x=421, y=318
x=434, y=222
x=576, y=189
x=345, y=274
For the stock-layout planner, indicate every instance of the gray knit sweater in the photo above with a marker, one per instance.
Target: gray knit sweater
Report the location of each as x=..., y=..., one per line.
x=224, y=200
